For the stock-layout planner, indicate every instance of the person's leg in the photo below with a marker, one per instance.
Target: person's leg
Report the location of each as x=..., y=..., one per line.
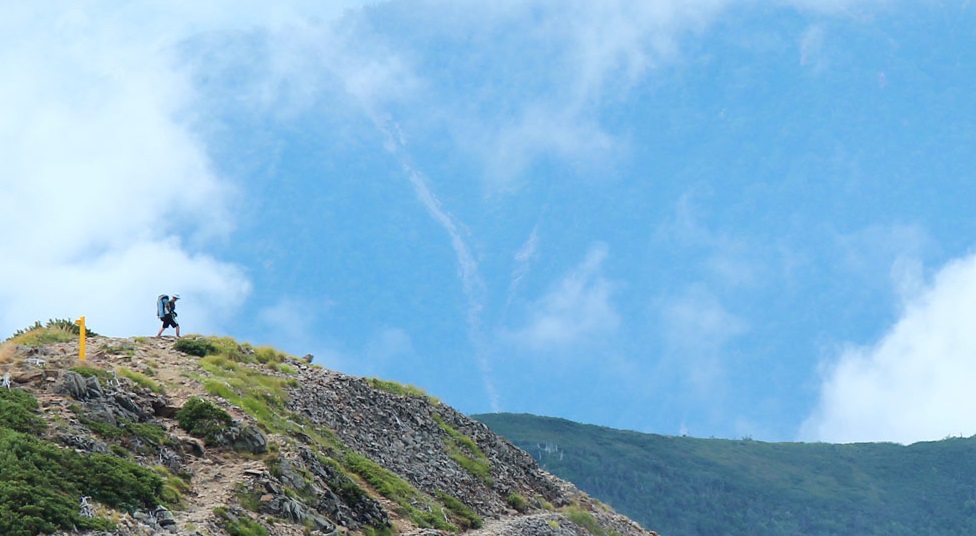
x=177, y=330
x=160, y=334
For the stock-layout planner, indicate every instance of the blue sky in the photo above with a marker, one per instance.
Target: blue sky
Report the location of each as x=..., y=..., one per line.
x=719, y=218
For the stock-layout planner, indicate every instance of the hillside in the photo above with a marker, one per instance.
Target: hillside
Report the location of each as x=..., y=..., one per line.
x=205, y=436
x=688, y=486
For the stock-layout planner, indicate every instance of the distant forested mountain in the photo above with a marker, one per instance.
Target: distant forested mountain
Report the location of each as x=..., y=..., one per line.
x=683, y=486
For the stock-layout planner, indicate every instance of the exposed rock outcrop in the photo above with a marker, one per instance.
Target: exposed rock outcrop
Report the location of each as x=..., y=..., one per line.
x=328, y=454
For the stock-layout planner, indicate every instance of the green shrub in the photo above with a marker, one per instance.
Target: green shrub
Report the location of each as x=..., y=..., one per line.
x=584, y=519
x=201, y=418
x=152, y=433
x=267, y=354
x=195, y=346
x=401, y=389
x=228, y=347
x=517, y=502
x=104, y=429
x=239, y=525
x=56, y=330
x=41, y=486
x=18, y=412
x=245, y=527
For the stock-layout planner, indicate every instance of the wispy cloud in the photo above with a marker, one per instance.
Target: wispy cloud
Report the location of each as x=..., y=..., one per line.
x=727, y=260
x=913, y=384
x=578, y=308
x=886, y=250
x=697, y=329
x=471, y=281
x=523, y=263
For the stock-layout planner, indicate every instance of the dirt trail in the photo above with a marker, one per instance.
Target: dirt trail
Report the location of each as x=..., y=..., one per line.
x=214, y=477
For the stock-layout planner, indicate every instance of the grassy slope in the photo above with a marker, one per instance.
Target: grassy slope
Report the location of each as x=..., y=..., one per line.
x=688, y=486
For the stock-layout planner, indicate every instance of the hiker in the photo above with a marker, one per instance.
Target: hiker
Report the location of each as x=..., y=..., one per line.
x=166, y=311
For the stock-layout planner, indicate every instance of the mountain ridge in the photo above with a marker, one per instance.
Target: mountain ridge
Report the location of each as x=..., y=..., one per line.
x=229, y=439
x=695, y=486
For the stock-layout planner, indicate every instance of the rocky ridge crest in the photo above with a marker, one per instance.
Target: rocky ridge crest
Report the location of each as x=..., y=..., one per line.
x=305, y=450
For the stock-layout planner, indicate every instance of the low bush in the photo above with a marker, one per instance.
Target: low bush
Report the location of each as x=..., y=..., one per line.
x=238, y=525
x=201, y=418
x=517, y=501
x=18, y=412
x=55, y=330
x=195, y=346
x=401, y=389
x=268, y=355
x=41, y=486
x=584, y=519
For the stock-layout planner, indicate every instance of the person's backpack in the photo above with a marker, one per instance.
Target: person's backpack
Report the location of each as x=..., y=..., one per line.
x=161, y=302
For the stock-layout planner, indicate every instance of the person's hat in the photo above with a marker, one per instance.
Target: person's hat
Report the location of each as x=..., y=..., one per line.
x=176, y=296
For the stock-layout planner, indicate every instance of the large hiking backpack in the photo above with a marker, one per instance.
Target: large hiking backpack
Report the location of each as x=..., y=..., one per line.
x=161, y=302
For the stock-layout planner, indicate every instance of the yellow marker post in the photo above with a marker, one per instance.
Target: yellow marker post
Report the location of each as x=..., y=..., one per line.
x=81, y=339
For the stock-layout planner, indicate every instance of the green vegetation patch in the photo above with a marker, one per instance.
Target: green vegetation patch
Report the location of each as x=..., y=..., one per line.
x=55, y=330
x=238, y=525
x=344, y=487
x=142, y=380
x=230, y=349
x=401, y=389
x=460, y=512
x=262, y=396
x=757, y=487
x=18, y=412
x=89, y=372
x=41, y=486
x=517, y=501
x=463, y=450
x=202, y=418
x=391, y=486
x=584, y=519
x=119, y=349
x=174, y=487
x=199, y=347
x=268, y=355
x=150, y=436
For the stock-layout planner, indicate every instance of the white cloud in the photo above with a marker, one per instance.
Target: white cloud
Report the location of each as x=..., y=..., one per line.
x=729, y=260
x=577, y=309
x=594, y=53
x=105, y=191
x=523, y=263
x=916, y=382
x=892, y=250
x=697, y=329
x=116, y=290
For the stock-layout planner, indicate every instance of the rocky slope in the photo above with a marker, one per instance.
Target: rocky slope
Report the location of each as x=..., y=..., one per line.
x=251, y=441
